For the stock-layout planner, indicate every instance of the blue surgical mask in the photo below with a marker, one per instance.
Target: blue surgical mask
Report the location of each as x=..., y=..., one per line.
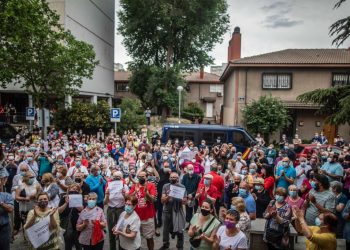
x=233, y=207
x=22, y=173
x=252, y=171
x=29, y=159
x=292, y=193
x=317, y=222
x=244, y=171
x=31, y=181
x=99, y=172
x=91, y=203
x=258, y=188
x=279, y=198
x=313, y=184
x=60, y=161
x=78, y=163
x=285, y=164
x=206, y=182
x=128, y=209
x=242, y=192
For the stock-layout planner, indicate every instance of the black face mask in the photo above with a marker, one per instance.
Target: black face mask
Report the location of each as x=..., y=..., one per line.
x=142, y=181
x=117, y=178
x=77, y=180
x=205, y=212
x=73, y=192
x=43, y=204
x=172, y=181
x=237, y=183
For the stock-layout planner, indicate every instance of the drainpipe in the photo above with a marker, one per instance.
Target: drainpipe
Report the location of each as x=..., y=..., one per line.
x=246, y=86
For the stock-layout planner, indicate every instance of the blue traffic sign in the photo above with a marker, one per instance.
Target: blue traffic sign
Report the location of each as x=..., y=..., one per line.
x=115, y=114
x=30, y=113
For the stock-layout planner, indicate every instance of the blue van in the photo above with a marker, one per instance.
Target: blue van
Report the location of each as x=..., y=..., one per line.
x=238, y=136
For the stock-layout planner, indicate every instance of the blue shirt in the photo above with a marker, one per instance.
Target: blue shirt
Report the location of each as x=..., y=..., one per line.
x=96, y=186
x=250, y=204
x=4, y=216
x=289, y=172
x=116, y=154
x=333, y=168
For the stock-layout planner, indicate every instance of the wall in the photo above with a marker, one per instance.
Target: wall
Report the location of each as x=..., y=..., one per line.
x=228, y=118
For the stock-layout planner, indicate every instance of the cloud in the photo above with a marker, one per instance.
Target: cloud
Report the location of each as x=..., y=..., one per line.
x=275, y=5
x=279, y=21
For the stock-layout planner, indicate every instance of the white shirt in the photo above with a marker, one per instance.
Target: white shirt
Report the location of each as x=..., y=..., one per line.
x=232, y=242
x=239, y=165
x=134, y=223
x=74, y=169
x=299, y=169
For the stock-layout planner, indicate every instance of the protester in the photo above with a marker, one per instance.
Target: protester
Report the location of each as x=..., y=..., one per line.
x=261, y=196
x=285, y=174
x=244, y=192
x=96, y=184
x=206, y=190
x=244, y=222
x=6, y=209
x=51, y=188
x=340, y=203
x=38, y=213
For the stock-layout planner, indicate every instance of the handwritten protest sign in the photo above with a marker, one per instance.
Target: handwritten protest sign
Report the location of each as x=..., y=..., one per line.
x=39, y=233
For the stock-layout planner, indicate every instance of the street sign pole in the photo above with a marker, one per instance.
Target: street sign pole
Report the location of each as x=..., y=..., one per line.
x=115, y=115
x=115, y=128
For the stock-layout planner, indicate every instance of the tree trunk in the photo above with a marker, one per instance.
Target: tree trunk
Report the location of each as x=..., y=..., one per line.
x=169, y=57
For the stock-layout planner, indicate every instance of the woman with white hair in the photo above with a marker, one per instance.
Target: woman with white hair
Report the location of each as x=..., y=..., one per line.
x=293, y=198
x=252, y=175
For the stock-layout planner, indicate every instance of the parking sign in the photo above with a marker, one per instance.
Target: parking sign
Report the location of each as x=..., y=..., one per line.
x=115, y=114
x=30, y=113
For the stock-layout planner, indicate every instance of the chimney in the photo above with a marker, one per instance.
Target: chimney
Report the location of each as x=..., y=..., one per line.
x=201, y=73
x=234, y=47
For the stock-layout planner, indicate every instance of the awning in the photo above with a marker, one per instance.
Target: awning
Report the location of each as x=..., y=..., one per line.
x=208, y=99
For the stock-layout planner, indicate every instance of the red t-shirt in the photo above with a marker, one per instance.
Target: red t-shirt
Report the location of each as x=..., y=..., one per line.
x=217, y=182
x=201, y=190
x=144, y=208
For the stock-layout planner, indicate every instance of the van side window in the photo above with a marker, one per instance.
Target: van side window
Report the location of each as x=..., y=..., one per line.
x=173, y=134
x=239, y=138
x=189, y=135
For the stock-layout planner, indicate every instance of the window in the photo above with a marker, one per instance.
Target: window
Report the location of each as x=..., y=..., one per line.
x=7, y=132
x=121, y=87
x=341, y=79
x=215, y=88
x=277, y=81
x=239, y=138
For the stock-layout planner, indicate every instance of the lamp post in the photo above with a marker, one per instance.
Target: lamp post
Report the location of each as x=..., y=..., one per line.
x=180, y=88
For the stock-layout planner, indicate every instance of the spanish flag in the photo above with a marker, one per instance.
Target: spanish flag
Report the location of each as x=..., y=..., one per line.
x=246, y=153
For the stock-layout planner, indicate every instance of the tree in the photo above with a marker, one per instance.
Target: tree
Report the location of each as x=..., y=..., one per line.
x=265, y=115
x=38, y=54
x=133, y=115
x=87, y=116
x=193, y=111
x=171, y=33
x=341, y=28
x=334, y=103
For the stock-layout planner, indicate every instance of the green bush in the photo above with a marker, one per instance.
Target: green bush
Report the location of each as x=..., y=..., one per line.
x=133, y=115
x=193, y=111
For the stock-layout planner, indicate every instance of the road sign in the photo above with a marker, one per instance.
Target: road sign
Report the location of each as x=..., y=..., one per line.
x=115, y=114
x=30, y=113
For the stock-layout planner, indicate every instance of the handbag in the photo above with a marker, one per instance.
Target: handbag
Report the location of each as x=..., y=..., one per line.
x=97, y=233
x=195, y=241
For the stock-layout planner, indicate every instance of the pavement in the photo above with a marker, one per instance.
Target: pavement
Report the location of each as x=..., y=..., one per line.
x=20, y=244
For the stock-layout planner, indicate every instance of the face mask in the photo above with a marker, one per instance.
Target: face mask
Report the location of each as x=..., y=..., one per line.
x=77, y=163
x=11, y=158
x=116, y=178
x=166, y=170
x=142, y=181
x=129, y=209
x=252, y=171
x=77, y=180
x=105, y=155
x=233, y=207
x=151, y=178
x=190, y=172
x=22, y=173
x=91, y=203
x=317, y=222
x=258, y=188
x=172, y=181
x=229, y=224
x=99, y=172
x=244, y=171
x=293, y=193
x=329, y=159
x=31, y=181
x=60, y=161
x=58, y=175
x=43, y=204
x=279, y=198
x=242, y=192
x=239, y=157
x=205, y=212
x=121, y=162
x=286, y=147
x=303, y=164
x=29, y=159
x=206, y=182
x=285, y=164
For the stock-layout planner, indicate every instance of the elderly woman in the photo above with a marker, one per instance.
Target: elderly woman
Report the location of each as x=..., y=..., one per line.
x=244, y=223
x=229, y=236
x=252, y=174
x=293, y=199
x=51, y=188
x=86, y=223
x=40, y=211
x=278, y=216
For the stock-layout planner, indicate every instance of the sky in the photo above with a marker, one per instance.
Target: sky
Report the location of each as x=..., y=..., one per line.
x=270, y=25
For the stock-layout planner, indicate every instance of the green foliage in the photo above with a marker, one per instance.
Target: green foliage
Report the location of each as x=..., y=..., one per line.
x=265, y=115
x=193, y=111
x=87, y=116
x=341, y=28
x=156, y=87
x=334, y=103
x=177, y=32
x=38, y=55
x=132, y=115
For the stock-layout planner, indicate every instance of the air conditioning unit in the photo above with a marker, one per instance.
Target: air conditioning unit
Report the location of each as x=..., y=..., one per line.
x=219, y=94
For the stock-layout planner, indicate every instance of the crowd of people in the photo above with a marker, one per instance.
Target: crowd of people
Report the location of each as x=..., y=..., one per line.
x=131, y=187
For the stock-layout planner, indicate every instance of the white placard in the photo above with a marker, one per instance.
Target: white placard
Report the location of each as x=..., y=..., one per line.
x=39, y=233
x=177, y=192
x=115, y=186
x=75, y=200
